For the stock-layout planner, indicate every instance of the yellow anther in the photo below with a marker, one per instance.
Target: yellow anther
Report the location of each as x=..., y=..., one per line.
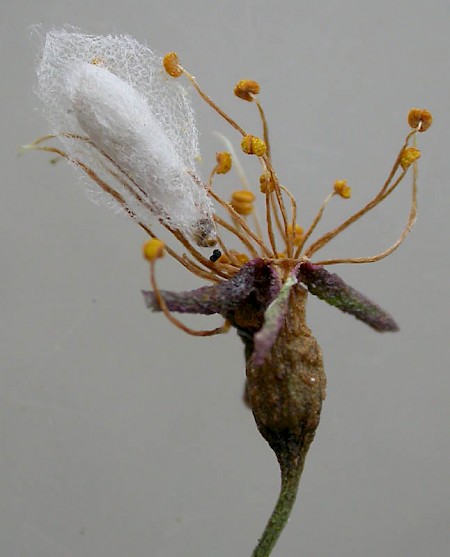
x=420, y=118
x=245, y=88
x=153, y=249
x=242, y=202
x=252, y=145
x=342, y=188
x=172, y=65
x=224, y=162
x=409, y=156
x=224, y=258
x=266, y=183
x=242, y=258
x=296, y=234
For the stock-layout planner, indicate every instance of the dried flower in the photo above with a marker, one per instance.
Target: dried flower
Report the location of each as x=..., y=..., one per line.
x=132, y=132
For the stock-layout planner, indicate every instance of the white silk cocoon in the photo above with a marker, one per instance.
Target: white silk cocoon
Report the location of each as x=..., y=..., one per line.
x=142, y=136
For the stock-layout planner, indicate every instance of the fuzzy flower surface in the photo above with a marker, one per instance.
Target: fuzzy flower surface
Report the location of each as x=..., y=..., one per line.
x=125, y=122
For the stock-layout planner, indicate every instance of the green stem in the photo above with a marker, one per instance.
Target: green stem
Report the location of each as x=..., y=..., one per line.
x=291, y=471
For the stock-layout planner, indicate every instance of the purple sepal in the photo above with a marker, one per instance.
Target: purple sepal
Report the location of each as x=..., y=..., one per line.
x=254, y=277
x=333, y=290
x=203, y=301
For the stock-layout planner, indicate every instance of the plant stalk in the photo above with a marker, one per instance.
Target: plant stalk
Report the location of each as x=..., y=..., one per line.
x=290, y=479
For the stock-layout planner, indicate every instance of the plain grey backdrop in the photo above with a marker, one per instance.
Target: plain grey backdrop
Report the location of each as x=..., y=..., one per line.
x=121, y=436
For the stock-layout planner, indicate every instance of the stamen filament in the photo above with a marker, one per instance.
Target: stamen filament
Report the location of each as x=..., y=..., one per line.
x=237, y=233
x=232, y=258
x=213, y=104
x=293, y=208
x=236, y=162
x=265, y=126
x=269, y=223
x=116, y=195
x=242, y=177
x=397, y=161
x=280, y=201
x=162, y=304
x=385, y=190
x=275, y=210
x=383, y=254
x=203, y=260
x=197, y=270
x=314, y=223
x=240, y=220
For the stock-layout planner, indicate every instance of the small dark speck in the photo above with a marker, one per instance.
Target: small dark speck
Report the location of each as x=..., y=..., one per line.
x=215, y=255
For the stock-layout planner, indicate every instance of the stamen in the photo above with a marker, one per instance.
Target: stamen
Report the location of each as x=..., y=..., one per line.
x=276, y=213
x=314, y=223
x=172, y=65
x=294, y=212
x=242, y=202
x=224, y=162
x=228, y=254
x=252, y=145
x=420, y=119
x=265, y=126
x=242, y=258
x=268, y=169
x=203, y=260
x=409, y=156
x=242, y=177
x=238, y=234
x=384, y=192
x=240, y=220
x=195, y=268
x=266, y=183
x=121, y=201
x=153, y=249
x=296, y=233
x=395, y=245
x=273, y=244
x=212, y=104
x=342, y=189
x=162, y=304
x=246, y=88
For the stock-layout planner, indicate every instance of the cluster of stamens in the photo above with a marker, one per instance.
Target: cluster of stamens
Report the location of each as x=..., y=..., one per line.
x=282, y=238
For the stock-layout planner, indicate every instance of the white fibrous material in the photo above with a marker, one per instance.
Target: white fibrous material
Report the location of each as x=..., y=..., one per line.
x=134, y=127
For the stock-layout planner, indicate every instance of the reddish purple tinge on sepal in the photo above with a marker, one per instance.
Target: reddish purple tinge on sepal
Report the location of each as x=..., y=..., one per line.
x=333, y=290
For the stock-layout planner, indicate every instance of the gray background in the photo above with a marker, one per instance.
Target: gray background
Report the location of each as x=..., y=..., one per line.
x=119, y=434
